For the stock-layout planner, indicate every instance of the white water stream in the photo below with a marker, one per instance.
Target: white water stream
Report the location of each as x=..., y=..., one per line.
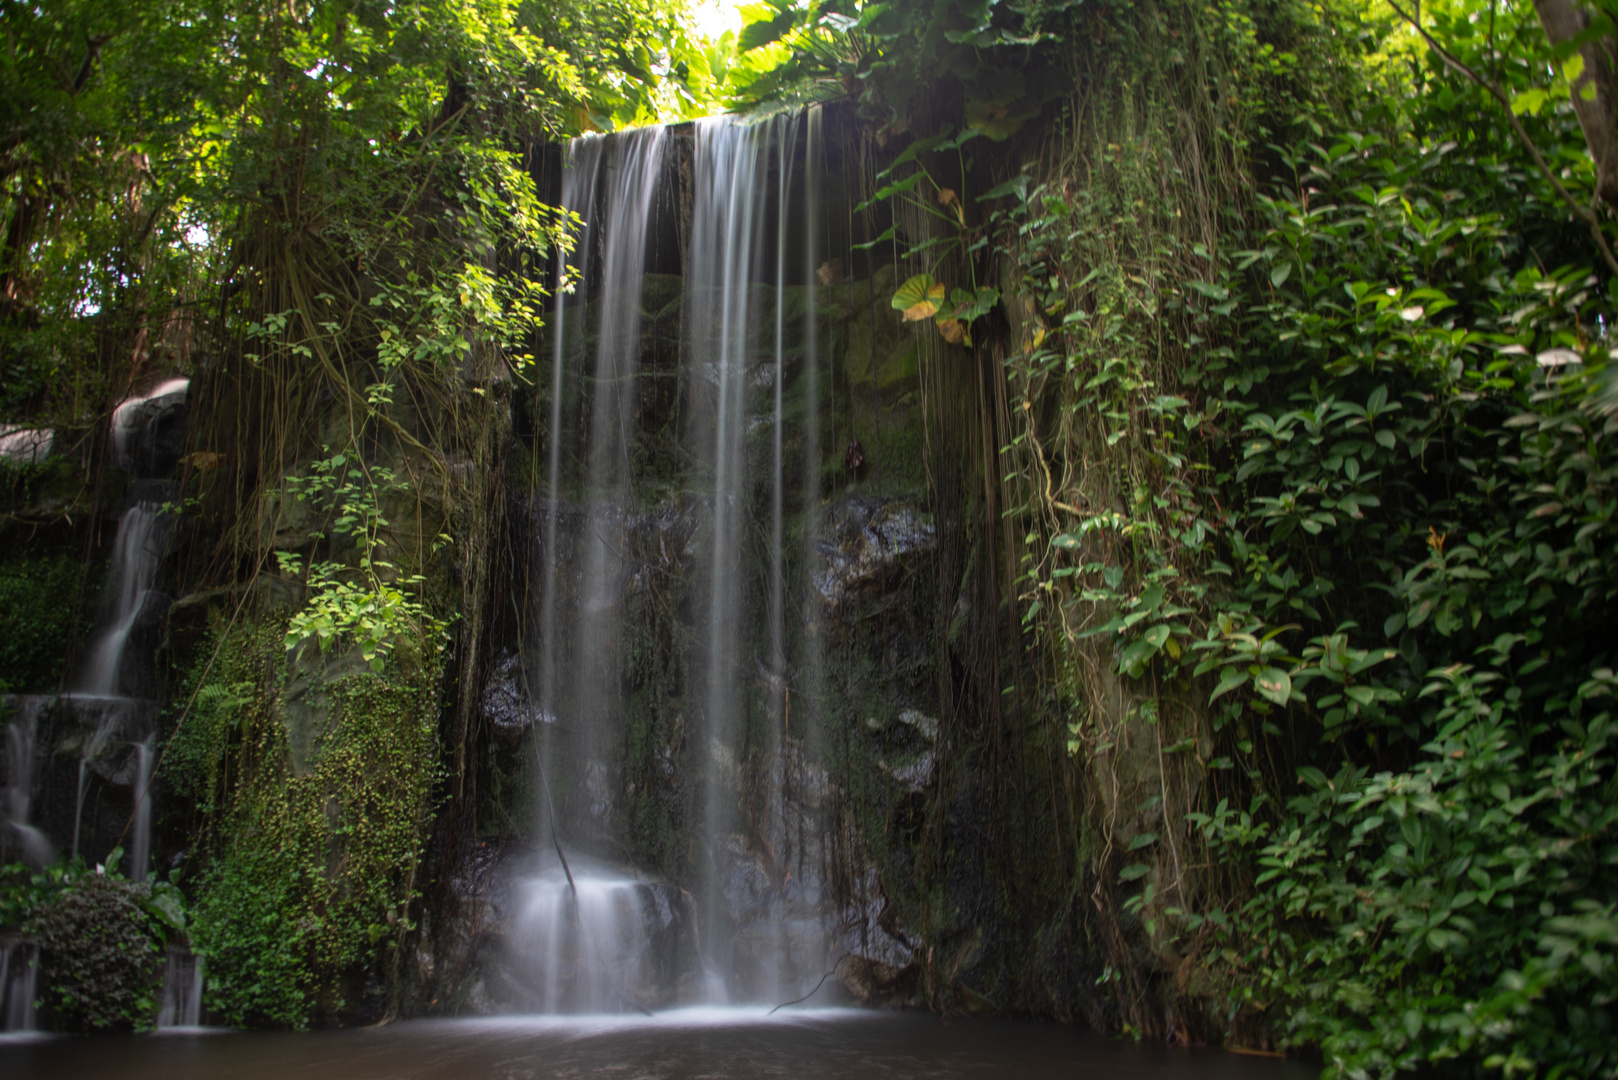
x=751, y=245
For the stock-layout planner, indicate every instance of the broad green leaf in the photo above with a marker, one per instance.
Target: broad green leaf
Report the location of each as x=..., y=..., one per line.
x=757, y=35
x=1233, y=676
x=919, y=298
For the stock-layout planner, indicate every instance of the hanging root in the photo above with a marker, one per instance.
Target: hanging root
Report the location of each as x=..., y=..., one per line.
x=812, y=993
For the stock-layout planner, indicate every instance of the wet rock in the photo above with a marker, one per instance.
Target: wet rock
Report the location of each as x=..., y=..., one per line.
x=157, y=428
x=506, y=705
x=914, y=775
x=879, y=961
x=744, y=882
x=304, y=707
x=866, y=543
x=924, y=725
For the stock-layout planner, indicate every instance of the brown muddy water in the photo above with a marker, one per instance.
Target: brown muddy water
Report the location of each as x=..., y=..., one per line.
x=707, y=1043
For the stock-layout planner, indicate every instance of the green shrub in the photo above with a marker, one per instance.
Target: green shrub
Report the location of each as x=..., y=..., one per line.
x=101, y=943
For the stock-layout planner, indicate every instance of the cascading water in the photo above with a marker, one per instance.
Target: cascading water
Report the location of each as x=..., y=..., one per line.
x=110, y=672
x=583, y=930
x=182, y=989
x=19, y=956
x=90, y=750
x=140, y=848
x=586, y=939
x=134, y=415
x=136, y=554
x=747, y=401
x=724, y=323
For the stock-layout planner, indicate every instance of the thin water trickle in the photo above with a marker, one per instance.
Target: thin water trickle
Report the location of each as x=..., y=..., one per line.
x=140, y=848
x=19, y=982
x=20, y=840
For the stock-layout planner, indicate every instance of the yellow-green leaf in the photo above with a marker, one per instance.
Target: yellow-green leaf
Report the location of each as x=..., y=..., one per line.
x=919, y=298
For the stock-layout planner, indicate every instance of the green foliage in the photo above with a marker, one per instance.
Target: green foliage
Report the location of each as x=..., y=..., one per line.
x=1319, y=477
x=143, y=141
x=101, y=939
x=1419, y=550
x=309, y=854
x=893, y=59
x=1457, y=911
x=40, y=620
x=376, y=611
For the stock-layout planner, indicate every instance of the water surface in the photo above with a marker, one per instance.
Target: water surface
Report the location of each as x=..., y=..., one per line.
x=712, y=1044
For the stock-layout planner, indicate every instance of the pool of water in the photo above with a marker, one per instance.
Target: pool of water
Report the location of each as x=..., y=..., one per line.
x=713, y=1044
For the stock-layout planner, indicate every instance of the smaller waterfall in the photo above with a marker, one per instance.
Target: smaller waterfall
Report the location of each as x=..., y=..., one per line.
x=19, y=837
x=19, y=975
x=182, y=989
x=136, y=555
x=586, y=941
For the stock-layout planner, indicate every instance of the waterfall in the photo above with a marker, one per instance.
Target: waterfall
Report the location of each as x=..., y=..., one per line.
x=140, y=847
x=587, y=940
x=19, y=956
x=583, y=931
x=723, y=245
x=714, y=518
x=578, y=197
x=88, y=752
x=736, y=303
x=137, y=550
x=578, y=669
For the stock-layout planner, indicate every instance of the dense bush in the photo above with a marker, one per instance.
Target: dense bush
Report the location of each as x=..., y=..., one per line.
x=101, y=941
x=1423, y=549
x=1329, y=473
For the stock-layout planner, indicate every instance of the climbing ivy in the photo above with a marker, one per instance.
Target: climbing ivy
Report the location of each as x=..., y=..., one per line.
x=312, y=821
